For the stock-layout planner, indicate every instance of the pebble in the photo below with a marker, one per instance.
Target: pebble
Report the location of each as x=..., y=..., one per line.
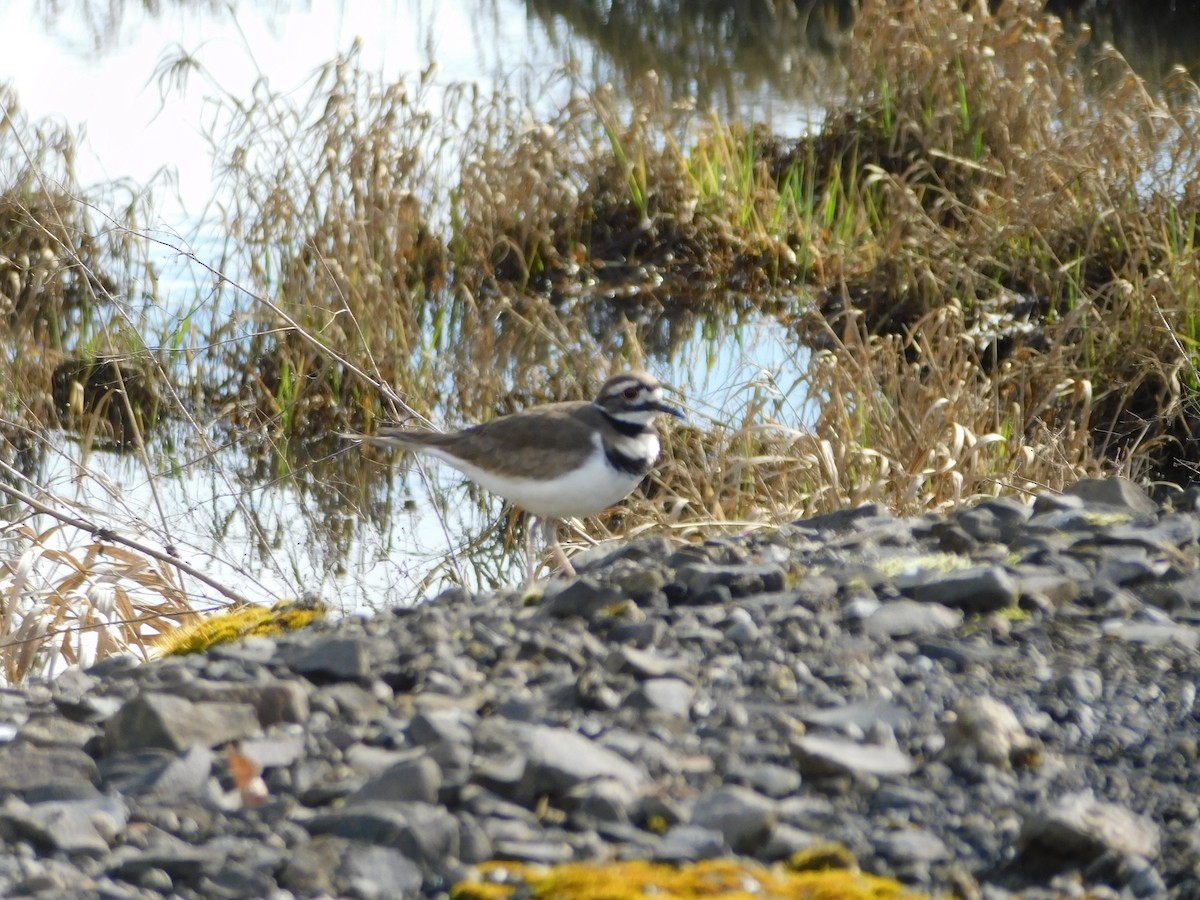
x=998, y=702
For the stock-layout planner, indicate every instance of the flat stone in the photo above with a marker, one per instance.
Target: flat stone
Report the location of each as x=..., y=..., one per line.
x=413, y=779
x=820, y=756
x=846, y=519
x=602, y=800
x=770, y=779
x=425, y=833
x=366, y=759
x=690, y=843
x=671, y=697
x=979, y=589
x=741, y=580
x=557, y=759
x=74, y=827
x=742, y=816
x=277, y=700
x=49, y=731
x=908, y=618
x=1078, y=827
x=173, y=723
x=431, y=726
x=536, y=852
x=273, y=751
x=1117, y=492
x=1048, y=588
x=1154, y=633
x=172, y=856
x=586, y=597
x=862, y=715
x=77, y=696
x=336, y=866
x=911, y=846
x=45, y=773
x=162, y=774
x=331, y=659
x=645, y=663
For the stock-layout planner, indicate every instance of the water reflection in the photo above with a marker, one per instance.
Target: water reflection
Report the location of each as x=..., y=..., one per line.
x=715, y=54
x=307, y=512
x=1155, y=38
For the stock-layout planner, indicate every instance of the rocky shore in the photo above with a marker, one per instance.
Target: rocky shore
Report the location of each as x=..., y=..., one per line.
x=998, y=702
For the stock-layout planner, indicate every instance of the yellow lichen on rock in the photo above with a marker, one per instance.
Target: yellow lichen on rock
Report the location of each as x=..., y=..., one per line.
x=241, y=622
x=731, y=879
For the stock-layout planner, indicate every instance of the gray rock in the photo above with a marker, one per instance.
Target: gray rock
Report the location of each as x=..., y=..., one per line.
x=906, y=618
x=743, y=817
x=536, y=852
x=162, y=774
x=273, y=751
x=557, y=759
x=1078, y=827
x=602, y=800
x=498, y=729
x=740, y=628
x=50, y=731
x=784, y=841
x=74, y=827
x=586, y=597
x=860, y=716
x=425, y=833
x=740, y=580
x=690, y=843
x=273, y=701
x=331, y=659
x=645, y=663
x=822, y=756
x=1117, y=492
x=1085, y=685
x=1047, y=589
x=180, y=861
x=337, y=866
x=77, y=695
x=365, y=759
x=451, y=724
x=1154, y=633
x=769, y=779
x=979, y=589
x=982, y=729
x=46, y=773
x=173, y=723
x=911, y=846
x=670, y=697
x=413, y=779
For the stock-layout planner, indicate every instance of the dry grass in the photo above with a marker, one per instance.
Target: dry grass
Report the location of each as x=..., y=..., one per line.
x=988, y=249
x=77, y=601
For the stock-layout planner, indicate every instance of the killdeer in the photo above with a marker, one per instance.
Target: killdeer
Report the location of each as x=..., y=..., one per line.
x=555, y=461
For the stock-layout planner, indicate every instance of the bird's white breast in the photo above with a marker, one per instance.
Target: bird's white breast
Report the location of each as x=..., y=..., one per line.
x=584, y=491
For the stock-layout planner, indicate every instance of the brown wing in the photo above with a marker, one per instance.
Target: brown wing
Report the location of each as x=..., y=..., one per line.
x=524, y=443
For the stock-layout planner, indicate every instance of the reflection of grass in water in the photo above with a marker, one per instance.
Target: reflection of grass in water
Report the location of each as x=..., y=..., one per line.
x=989, y=255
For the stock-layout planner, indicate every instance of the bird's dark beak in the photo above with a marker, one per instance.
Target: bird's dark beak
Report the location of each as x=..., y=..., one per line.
x=670, y=410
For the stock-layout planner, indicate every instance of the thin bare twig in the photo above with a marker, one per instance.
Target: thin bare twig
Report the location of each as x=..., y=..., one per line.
x=107, y=534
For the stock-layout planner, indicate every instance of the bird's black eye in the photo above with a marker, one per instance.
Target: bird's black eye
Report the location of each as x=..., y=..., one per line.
x=630, y=393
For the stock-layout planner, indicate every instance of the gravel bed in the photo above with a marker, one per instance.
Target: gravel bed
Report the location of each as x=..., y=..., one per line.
x=994, y=703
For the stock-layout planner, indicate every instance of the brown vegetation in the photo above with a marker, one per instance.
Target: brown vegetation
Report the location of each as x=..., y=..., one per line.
x=988, y=248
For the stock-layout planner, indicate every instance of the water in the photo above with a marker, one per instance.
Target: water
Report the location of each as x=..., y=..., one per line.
x=109, y=74
x=108, y=69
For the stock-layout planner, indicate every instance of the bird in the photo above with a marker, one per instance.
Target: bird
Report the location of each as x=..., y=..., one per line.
x=557, y=460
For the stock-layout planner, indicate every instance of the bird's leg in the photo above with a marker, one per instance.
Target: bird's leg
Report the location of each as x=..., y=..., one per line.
x=531, y=560
x=550, y=535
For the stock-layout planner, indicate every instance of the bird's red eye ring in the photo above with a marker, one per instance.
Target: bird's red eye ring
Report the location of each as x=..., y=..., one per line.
x=630, y=393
